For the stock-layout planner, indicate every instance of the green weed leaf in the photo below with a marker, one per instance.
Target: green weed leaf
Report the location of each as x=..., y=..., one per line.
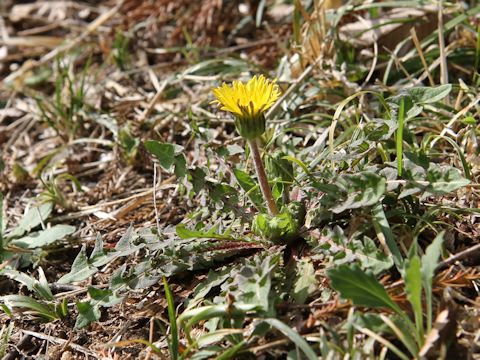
x=185, y=233
x=165, y=153
x=305, y=282
x=435, y=181
x=86, y=314
x=44, y=238
x=81, y=269
x=357, y=191
x=249, y=186
x=359, y=287
x=428, y=95
x=32, y=218
x=104, y=297
x=279, y=228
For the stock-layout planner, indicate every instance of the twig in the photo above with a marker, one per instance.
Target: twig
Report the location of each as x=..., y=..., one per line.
x=458, y=256
x=250, y=44
x=22, y=345
x=398, y=63
x=154, y=100
x=432, y=67
x=26, y=122
x=462, y=112
x=259, y=348
x=416, y=42
x=272, y=344
x=78, y=291
x=292, y=88
x=7, y=105
x=67, y=343
x=375, y=52
x=62, y=288
x=60, y=341
x=119, y=335
x=87, y=210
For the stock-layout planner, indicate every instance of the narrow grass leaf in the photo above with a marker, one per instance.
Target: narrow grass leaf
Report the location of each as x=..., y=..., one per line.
x=413, y=287
x=202, y=313
x=293, y=336
x=259, y=14
x=216, y=336
x=402, y=332
x=21, y=301
x=384, y=342
x=174, y=342
x=461, y=155
x=230, y=353
x=399, y=136
x=5, y=335
x=41, y=286
x=429, y=264
x=381, y=225
x=476, y=71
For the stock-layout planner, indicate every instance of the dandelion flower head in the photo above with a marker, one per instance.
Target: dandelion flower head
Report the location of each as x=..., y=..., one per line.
x=248, y=102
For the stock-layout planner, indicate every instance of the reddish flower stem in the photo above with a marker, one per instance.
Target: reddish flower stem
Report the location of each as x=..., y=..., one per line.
x=262, y=177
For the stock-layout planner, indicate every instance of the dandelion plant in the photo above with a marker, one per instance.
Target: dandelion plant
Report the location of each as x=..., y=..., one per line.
x=248, y=103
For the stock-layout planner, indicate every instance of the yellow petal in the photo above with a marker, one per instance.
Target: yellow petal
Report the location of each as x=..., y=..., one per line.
x=258, y=91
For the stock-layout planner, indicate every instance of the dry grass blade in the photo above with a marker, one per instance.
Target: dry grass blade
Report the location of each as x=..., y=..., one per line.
x=28, y=66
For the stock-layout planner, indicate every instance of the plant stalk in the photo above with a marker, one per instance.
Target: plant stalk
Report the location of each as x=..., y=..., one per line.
x=262, y=177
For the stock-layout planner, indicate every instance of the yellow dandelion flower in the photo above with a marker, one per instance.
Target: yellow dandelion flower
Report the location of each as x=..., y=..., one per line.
x=248, y=103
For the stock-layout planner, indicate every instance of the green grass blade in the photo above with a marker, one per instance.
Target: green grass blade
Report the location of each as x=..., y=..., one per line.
x=382, y=228
x=230, y=353
x=22, y=301
x=461, y=155
x=413, y=287
x=173, y=343
x=429, y=264
x=399, y=136
x=384, y=342
x=294, y=337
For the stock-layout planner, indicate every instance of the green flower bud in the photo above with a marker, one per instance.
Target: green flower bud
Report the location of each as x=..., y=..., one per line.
x=283, y=227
